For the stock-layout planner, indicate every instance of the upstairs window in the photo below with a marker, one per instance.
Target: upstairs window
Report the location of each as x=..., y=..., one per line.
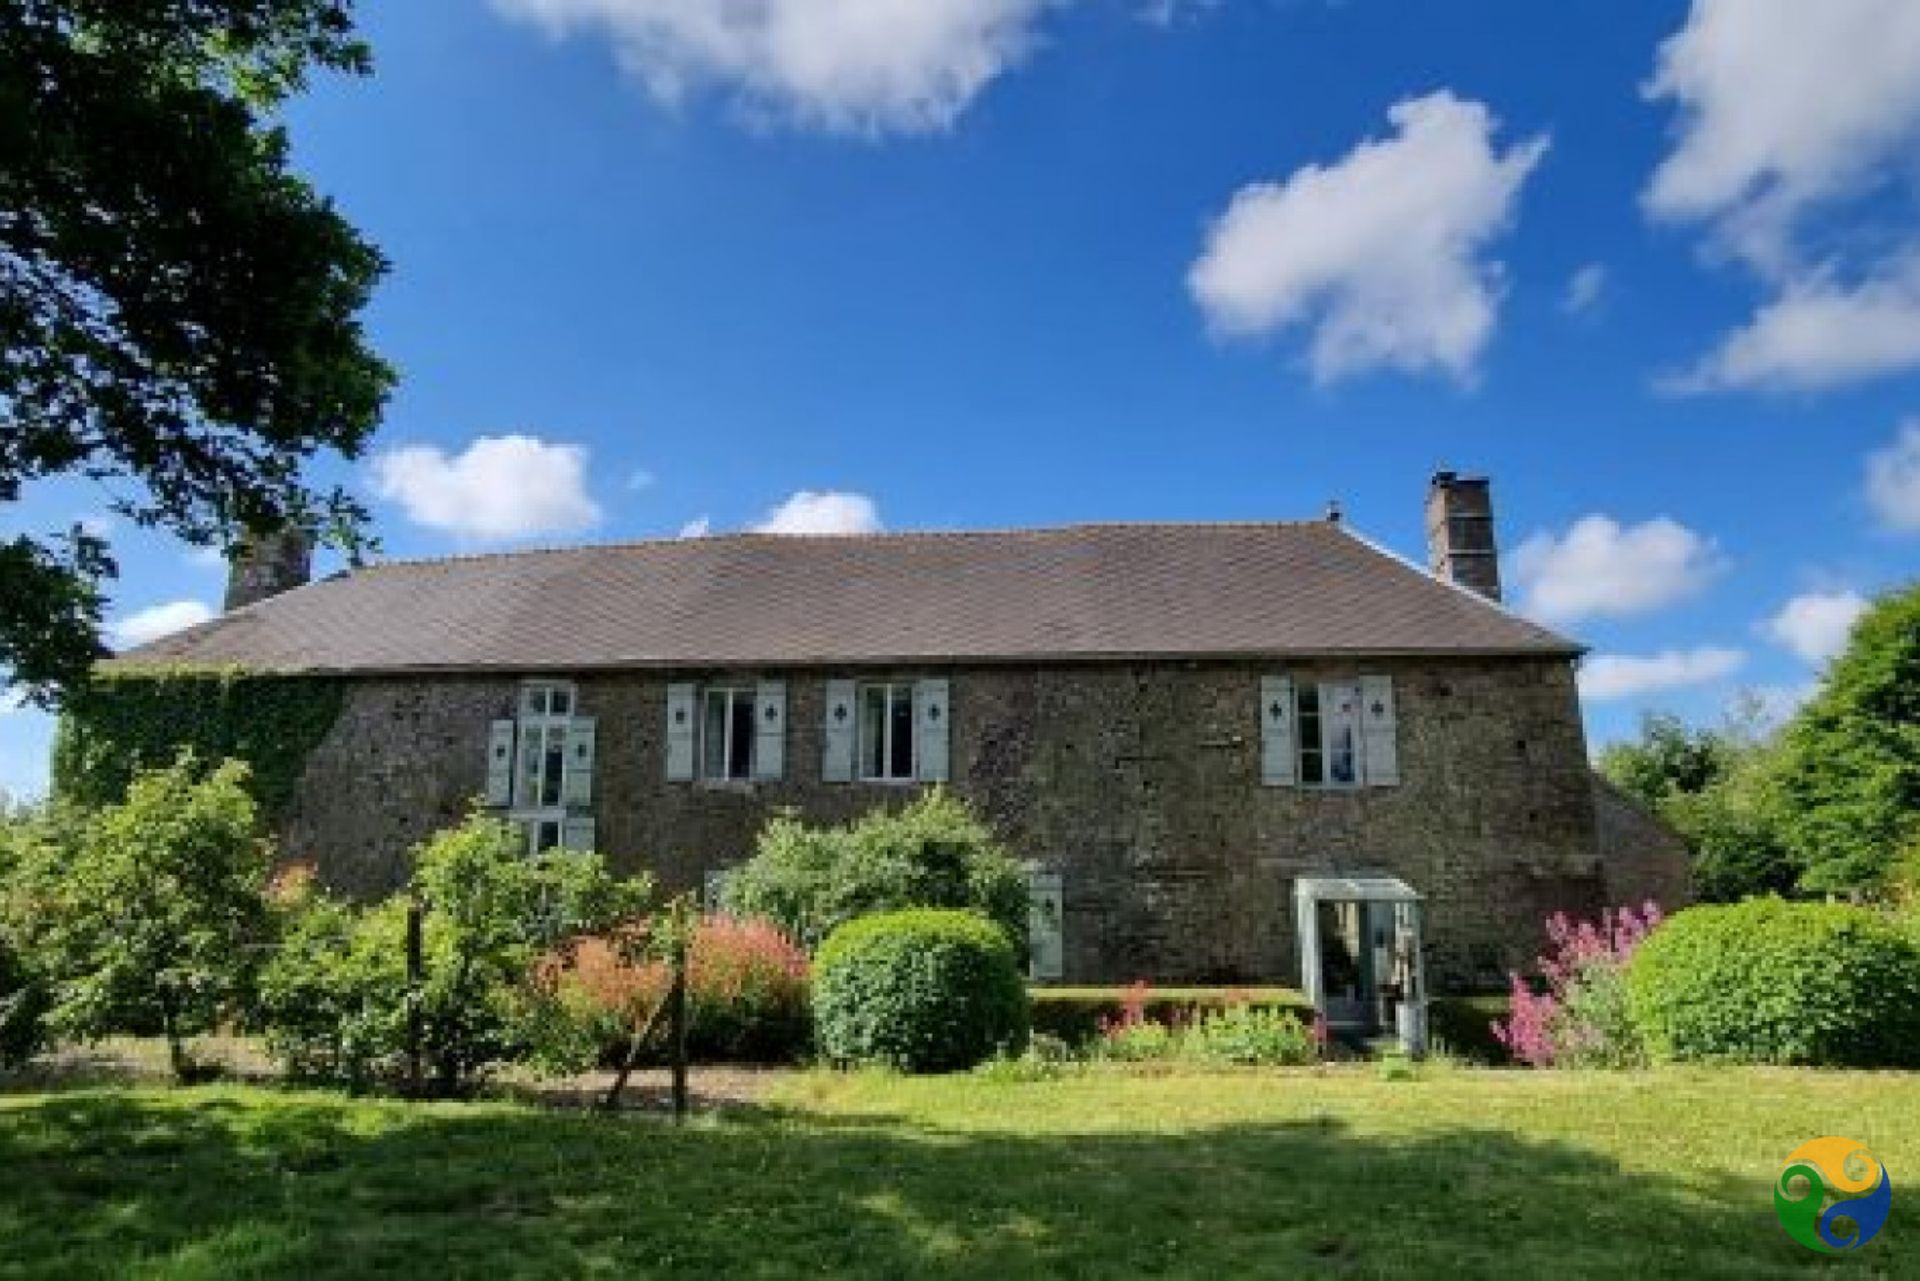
x=886, y=732
x=727, y=732
x=1328, y=734
x=546, y=717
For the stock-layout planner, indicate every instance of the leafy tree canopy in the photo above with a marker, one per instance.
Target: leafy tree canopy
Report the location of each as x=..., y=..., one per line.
x=178, y=311
x=1849, y=769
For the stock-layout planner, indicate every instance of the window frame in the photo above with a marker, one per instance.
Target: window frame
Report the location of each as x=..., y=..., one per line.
x=888, y=729
x=1314, y=752
x=535, y=712
x=736, y=695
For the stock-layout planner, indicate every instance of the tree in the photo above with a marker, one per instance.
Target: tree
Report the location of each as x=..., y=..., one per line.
x=178, y=311
x=933, y=852
x=1849, y=769
x=151, y=913
x=1713, y=785
x=1668, y=759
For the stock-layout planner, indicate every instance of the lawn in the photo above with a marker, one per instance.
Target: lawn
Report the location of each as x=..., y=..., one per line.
x=1314, y=1172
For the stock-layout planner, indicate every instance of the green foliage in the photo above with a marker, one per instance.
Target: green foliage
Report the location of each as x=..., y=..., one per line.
x=1078, y=1015
x=334, y=999
x=932, y=853
x=1462, y=1026
x=1249, y=1036
x=1766, y=981
x=149, y=913
x=1668, y=759
x=922, y=990
x=126, y=722
x=1849, y=769
x=1714, y=786
x=23, y=1006
x=178, y=309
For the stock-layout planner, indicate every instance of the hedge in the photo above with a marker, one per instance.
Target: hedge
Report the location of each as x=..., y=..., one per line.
x=1767, y=981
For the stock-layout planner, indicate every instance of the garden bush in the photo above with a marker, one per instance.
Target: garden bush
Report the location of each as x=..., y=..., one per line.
x=334, y=998
x=923, y=990
x=1580, y=1019
x=1249, y=1036
x=746, y=992
x=1081, y=1015
x=932, y=853
x=1767, y=981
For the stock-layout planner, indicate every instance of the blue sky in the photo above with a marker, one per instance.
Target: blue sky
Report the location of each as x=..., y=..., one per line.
x=659, y=269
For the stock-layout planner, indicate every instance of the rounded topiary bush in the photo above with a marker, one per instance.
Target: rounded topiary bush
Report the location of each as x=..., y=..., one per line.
x=1766, y=981
x=923, y=990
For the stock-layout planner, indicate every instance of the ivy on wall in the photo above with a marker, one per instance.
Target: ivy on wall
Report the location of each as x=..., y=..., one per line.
x=127, y=721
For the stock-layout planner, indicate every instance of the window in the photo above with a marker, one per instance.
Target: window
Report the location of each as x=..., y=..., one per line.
x=541, y=762
x=886, y=733
x=1329, y=720
x=727, y=734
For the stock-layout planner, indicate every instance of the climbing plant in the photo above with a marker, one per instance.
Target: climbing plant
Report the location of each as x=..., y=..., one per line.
x=124, y=722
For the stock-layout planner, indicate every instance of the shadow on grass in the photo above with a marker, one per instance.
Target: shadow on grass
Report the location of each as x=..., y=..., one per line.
x=221, y=1183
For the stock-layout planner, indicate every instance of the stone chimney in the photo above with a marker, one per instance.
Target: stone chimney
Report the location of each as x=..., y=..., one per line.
x=265, y=565
x=1460, y=545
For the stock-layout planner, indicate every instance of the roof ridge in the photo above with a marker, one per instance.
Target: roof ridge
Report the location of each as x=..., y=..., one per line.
x=885, y=535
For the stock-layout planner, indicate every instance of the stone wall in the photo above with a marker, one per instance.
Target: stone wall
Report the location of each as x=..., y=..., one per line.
x=1643, y=857
x=1138, y=782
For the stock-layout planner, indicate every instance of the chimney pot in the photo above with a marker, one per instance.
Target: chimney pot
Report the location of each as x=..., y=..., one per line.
x=1461, y=548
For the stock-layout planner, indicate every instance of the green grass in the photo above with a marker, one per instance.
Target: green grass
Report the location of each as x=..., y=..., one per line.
x=1316, y=1172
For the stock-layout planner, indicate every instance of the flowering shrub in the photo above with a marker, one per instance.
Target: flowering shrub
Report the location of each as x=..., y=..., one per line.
x=1238, y=1032
x=746, y=989
x=1580, y=1019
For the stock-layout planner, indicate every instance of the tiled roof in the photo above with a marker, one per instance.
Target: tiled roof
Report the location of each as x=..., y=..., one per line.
x=1073, y=593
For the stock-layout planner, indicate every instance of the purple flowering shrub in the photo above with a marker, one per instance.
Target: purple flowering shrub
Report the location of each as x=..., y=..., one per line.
x=1577, y=1017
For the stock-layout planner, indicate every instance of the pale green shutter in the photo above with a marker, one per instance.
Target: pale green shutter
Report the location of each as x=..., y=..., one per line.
x=576, y=785
x=1279, y=757
x=770, y=730
x=1379, y=731
x=1046, y=926
x=576, y=833
x=680, y=733
x=500, y=764
x=931, y=730
x=836, y=757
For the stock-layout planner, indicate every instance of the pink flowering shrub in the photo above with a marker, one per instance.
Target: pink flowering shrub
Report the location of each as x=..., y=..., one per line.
x=1579, y=1017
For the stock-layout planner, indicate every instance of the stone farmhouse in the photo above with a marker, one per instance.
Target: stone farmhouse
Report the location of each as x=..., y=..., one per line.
x=1228, y=752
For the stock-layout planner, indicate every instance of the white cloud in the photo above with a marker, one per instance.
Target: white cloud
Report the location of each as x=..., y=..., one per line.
x=1612, y=676
x=1601, y=568
x=498, y=488
x=206, y=558
x=1165, y=13
x=1816, y=334
x=822, y=512
x=1584, y=288
x=11, y=700
x=1382, y=254
x=1815, y=625
x=640, y=478
x=1893, y=480
x=698, y=527
x=1785, y=107
x=98, y=524
x=849, y=66
x=155, y=621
